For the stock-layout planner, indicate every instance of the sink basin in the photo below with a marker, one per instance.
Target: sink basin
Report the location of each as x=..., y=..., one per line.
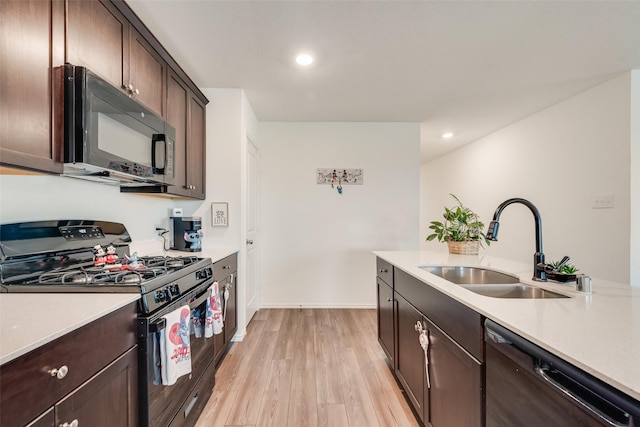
x=490, y=283
x=514, y=291
x=461, y=275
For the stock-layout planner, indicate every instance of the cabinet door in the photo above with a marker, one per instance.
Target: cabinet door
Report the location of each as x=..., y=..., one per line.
x=30, y=83
x=177, y=99
x=110, y=398
x=410, y=364
x=98, y=38
x=231, y=316
x=456, y=383
x=186, y=114
x=196, y=151
x=147, y=74
x=385, y=320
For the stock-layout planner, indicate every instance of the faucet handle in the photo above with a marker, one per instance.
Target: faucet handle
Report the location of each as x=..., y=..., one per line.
x=583, y=283
x=492, y=232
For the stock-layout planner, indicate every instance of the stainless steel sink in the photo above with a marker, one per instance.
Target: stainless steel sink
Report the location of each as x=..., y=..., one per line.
x=514, y=291
x=461, y=275
x=490, y=283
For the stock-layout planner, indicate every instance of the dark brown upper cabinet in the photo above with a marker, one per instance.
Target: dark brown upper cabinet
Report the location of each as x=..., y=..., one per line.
x=31, y=50
x=38, y=36
x=102, y=39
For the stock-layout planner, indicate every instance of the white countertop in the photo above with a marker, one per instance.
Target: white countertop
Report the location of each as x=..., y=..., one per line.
x=30, y=320
x=599, y=333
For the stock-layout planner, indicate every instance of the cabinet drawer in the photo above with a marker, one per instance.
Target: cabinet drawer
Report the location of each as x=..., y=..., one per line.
x=28, y=388
x=225, y=266
x=460, y=322
x=384, y=270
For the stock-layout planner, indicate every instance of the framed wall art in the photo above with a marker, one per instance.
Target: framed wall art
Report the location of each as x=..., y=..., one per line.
x=220, y=214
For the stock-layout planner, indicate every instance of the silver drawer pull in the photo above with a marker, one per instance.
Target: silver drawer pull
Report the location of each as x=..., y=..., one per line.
x=73, y=423
x=60, y=373
x=384, y=270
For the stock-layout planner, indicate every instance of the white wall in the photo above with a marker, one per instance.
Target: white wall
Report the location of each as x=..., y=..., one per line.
x=223, y=167
x=635, y=177
x=316, y=244
x=32, y=198
x=558, y=159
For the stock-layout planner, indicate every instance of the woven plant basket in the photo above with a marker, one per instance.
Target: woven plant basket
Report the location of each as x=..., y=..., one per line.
x=468, y=247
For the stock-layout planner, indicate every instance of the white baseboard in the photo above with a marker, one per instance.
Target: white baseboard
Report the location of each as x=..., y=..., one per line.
x=327, y=306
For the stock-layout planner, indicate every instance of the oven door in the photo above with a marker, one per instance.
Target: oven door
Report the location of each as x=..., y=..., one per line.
x=159, y=404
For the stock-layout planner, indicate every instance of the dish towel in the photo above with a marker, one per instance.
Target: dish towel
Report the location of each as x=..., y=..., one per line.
x=196, y=322
x=175, y=346
x=213, y=319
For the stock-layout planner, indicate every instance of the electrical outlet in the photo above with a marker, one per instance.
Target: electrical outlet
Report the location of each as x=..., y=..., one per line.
x=177, y=212
x=603, y=201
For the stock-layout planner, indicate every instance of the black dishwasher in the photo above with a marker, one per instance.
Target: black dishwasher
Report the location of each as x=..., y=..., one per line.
x=528, y=386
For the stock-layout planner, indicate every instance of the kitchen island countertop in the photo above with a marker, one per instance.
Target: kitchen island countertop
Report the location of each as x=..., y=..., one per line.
x=599, y=332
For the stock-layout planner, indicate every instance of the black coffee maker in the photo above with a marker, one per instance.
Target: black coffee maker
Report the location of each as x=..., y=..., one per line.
x=187, y=233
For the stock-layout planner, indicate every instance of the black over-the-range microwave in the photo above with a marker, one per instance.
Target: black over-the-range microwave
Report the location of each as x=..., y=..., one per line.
x=110, y=137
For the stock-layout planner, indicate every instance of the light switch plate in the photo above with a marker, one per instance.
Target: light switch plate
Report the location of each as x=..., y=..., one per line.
x=603, y=201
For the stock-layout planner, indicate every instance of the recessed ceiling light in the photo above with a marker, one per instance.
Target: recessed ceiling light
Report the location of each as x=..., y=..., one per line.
x=304, y=59
x=447, y=135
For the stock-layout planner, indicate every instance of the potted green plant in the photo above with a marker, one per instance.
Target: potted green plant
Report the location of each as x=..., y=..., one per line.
x=462, y=229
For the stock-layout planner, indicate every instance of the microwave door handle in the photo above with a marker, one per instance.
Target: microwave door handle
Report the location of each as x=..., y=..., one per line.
x=154, y=141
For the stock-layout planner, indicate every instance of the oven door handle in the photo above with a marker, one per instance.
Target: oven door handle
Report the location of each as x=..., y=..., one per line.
x=158, y=326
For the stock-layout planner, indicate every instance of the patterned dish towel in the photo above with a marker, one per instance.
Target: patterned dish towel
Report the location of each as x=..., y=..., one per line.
x=213, y=322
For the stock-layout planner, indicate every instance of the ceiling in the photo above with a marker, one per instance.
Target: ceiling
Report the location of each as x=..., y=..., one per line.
x=468, y=67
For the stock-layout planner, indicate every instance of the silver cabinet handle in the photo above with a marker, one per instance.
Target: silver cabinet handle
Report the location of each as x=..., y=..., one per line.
x=249, y=242
x=73, y=423
x=384, y=270
x=60, y=373
x=389, y=299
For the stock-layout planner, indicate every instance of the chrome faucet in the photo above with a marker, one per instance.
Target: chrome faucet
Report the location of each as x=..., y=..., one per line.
x=539, y=265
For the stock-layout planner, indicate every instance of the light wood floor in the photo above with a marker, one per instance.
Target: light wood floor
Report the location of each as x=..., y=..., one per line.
x=307, y=367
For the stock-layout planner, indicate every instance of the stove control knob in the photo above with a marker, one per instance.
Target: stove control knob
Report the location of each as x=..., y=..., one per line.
x=161, y=295
x=175, y=290
x=205, y=273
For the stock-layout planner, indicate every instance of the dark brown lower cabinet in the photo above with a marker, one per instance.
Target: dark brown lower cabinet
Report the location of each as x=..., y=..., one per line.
x=410, y=363
x=226, y=271
x=385, y=320
x=456, y=383
x=89, y=375
x=108, y=399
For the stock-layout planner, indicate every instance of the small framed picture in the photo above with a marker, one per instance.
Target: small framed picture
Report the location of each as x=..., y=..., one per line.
x=220, y=214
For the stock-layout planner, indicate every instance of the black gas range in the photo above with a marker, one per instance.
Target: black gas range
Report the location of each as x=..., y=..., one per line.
x=86, y=256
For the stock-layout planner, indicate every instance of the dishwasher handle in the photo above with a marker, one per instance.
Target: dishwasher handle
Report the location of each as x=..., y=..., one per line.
x=515, y=347
x=548, y=376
